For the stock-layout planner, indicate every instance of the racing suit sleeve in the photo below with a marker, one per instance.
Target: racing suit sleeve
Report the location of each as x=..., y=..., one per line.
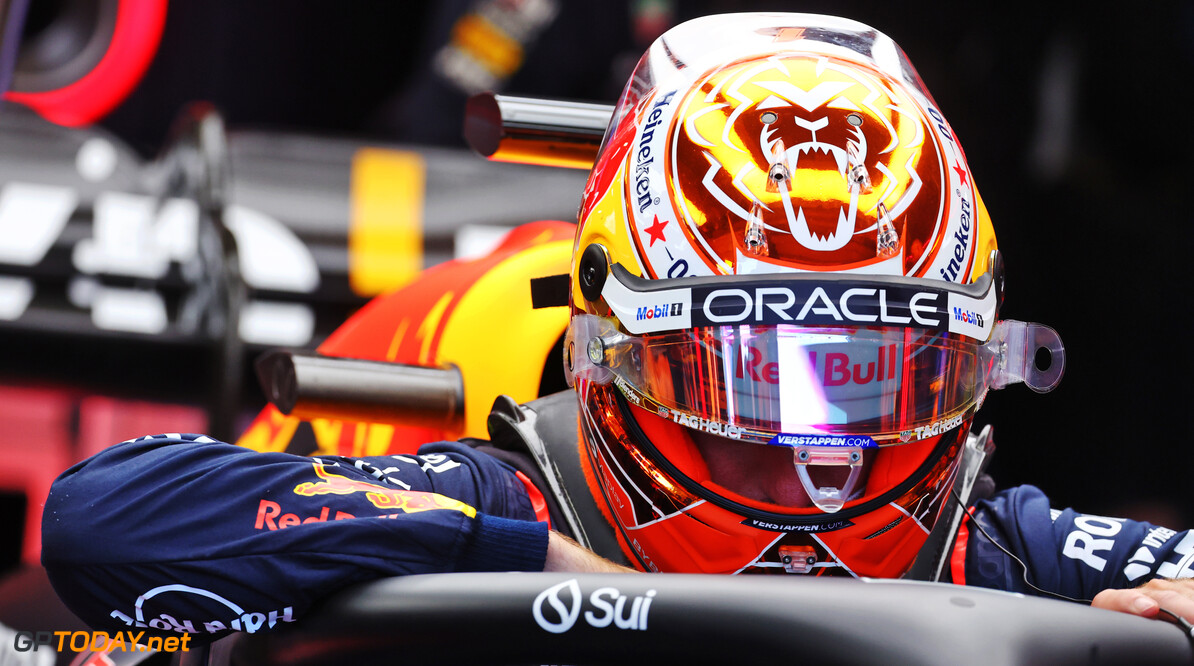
x=181, y=533
x=1064, y=552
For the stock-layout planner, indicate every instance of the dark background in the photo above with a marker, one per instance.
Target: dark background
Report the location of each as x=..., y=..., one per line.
x=1072, y=120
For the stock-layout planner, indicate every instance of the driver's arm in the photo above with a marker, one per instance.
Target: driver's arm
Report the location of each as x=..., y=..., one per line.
x=168, y=533
x=1018, y=543
x=564, y=554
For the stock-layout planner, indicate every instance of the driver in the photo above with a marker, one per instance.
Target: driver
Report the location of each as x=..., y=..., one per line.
x=785, y=306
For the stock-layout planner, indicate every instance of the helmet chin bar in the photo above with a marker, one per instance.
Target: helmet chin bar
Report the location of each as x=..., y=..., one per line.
x=828, y=498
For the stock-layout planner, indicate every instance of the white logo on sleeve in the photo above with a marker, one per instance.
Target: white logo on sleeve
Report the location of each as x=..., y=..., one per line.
x=1184, y=566
x=1084, y=543
x=1140, y=562
x=226, y=615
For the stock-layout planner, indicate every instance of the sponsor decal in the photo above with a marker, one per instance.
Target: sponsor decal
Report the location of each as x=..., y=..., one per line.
x=270, y=516
x=659, y=311
x=558, y=608
x=961, y=241
x=225, y=615
x=822, y=304
x=935, y=429
x=645, y=190
x=834, y=368
x=627, y=391
x=794, y=301
x=1141, y=561
x=840, y=370
x=566, y=612
x=656, y=231
x=410, y=501
x=1181, y=562
x=784, y=439
x=941, y=126
x=644, y=158
x=749, y=365
x=432, y=463
x=968, y=317
x=705, y=425
x=790, y=527
x=1091, y=537
x=961, y=171
x=645, y=312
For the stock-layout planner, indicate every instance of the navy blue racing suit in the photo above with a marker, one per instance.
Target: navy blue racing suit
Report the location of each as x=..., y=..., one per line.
x=1064, y=552
x=180, y=533
x=183, y=533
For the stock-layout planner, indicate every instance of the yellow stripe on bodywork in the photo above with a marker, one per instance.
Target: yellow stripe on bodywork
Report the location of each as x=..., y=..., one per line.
x=327, y=436
x=270, y=432
x=497, y=340
x=430, y=324
x=385, y=227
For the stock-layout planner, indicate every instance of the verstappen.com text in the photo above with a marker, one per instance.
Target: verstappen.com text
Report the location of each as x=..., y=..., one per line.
x=99, y=641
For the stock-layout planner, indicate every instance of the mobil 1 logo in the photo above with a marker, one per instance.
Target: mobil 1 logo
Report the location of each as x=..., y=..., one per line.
x=659, y=311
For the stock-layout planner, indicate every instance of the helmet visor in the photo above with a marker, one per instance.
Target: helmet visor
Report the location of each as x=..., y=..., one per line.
x=759, y=383
x=892, y=360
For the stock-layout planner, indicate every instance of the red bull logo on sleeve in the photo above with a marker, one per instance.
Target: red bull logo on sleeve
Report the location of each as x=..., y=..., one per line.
x=409, y=501
x=271, y=517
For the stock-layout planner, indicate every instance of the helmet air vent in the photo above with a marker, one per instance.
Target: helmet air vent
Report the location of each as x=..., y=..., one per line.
x=755, y=239
x=887, y=241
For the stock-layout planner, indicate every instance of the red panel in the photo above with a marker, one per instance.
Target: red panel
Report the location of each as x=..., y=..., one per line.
x=38, y=440
x=36, y=446
x=104, y=421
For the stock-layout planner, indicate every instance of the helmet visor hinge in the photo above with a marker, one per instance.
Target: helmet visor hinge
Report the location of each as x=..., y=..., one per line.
x=592, y=272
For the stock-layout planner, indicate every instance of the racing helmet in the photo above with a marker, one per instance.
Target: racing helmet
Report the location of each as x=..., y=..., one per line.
x=784, y=301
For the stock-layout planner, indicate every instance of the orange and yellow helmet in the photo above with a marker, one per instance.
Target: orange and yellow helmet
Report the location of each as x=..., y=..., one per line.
x=784, y=303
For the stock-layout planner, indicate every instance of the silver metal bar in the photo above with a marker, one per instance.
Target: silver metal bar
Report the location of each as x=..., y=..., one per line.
x=535, y=131
x=314, y=386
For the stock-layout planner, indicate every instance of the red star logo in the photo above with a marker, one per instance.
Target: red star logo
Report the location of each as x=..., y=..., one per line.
x=655, y=231
x=961, y=172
